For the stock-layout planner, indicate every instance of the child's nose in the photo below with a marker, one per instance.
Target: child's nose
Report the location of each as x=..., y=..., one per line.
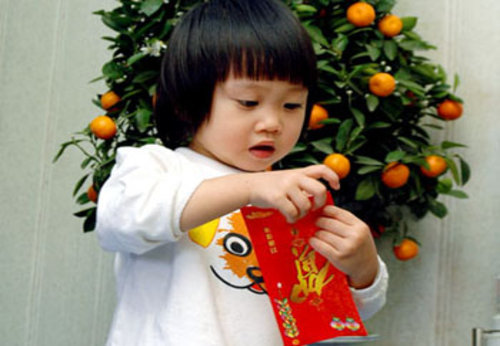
x=270, y=122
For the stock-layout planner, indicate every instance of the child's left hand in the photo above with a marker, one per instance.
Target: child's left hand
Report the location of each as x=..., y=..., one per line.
x=347, y=243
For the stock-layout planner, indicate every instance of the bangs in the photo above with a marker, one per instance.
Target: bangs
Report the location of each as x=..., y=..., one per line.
x=259, y=63
x=254, y=39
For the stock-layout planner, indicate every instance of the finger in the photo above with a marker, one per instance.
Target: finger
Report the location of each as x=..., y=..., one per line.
x=301, y=202
x=333, y=240
x=333, y=226
x=325, y=249
x=289, y=210
x=316, y=189
x=321, y=171
x=340, y=214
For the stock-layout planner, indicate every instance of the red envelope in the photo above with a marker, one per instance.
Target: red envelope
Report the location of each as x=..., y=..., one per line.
x=310, y=297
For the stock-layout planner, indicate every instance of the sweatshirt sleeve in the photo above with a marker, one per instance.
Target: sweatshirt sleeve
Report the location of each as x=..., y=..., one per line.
x=141, y=203
x=371, y=299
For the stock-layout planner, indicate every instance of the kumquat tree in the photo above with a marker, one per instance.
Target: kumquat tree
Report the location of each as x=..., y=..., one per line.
x=379, y=105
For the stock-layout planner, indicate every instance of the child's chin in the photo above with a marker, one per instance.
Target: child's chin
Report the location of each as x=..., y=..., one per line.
x=256, y=167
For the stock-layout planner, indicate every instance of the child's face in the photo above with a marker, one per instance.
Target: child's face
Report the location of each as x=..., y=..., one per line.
x=252, y=124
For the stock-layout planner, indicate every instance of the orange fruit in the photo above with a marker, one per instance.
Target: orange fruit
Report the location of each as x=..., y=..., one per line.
x=361, y=14
x=339, y=164
x=318, y=114
x=109, y=99
x=406, y=250
x=92, y=194
x=437, y=166
x=382, y=84
x=391, y=25
x=103, y=127
x=450, y=110
x=395, y=175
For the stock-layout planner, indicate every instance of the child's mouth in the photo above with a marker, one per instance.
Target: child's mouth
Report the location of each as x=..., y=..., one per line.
x=262, y=151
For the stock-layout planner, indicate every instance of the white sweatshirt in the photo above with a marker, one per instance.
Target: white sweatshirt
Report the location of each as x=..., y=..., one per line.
x=184, y=289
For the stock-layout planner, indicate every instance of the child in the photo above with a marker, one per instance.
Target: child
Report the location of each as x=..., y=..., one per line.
x=234, y=88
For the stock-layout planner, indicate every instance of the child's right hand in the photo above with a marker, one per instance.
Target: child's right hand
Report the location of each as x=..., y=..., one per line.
x=289, y=190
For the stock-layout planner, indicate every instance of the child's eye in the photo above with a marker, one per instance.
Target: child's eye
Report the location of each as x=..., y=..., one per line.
x=248, y=103
x=292, y=106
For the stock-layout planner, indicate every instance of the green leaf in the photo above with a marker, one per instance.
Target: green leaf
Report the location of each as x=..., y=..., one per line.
x=305, y=8
x=131, y=93
x=134, y=58
x=368, y=169
x=306, y=159
x=385, y=5
x=83, y=198
x=97, y=79
x=317, y=35
x=89, y=224
x=84, y=212
x=437, y=208
x=368, y=161
x=415, y=159
x=142, y=119
x=330, y=121
x=343, y=134
x=456, y=82
x=390, y=49
x=149, y=7
x=115, y=22
x=373, y=52
x=86, y=162
x=380, y=125
x=457, y=194
x=409, y=44
x=299, y=147
x=464, y=167
x=447, y=145
x=339, y=44
x=409, y=23
x=434, y=126
x=112, y=70
x=146, y=76
x=345, y=28
x=359, y=116
x=79, y=184
x=61, y=151
x=395, y=156
x=444, y=185
x=324, y=145
x=416, y=88
x=454, y=170
x=409, y=142
x=372, y=102
x=365, y=190
x=356, y=144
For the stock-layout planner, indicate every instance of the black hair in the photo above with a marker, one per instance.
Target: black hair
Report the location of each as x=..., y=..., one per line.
x=257, y=39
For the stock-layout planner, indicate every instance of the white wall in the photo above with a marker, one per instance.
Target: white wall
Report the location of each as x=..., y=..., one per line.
x=439, y=297
x=56, y=284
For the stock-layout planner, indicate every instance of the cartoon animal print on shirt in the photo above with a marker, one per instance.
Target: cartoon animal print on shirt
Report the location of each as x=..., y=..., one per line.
x=233, y=260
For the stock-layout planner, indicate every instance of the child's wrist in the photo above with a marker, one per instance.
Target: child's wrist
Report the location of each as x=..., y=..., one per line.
x=248, y=187
x=365, y=278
